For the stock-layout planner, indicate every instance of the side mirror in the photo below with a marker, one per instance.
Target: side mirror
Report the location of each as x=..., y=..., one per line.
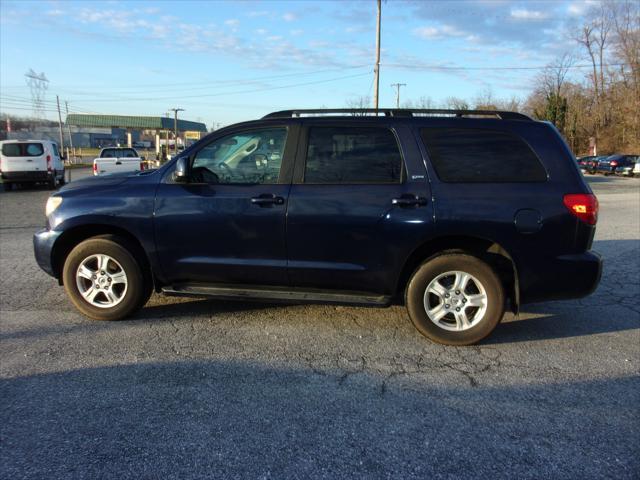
x=181, y=173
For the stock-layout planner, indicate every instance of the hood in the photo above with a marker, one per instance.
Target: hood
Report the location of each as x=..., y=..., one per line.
x=98, y=181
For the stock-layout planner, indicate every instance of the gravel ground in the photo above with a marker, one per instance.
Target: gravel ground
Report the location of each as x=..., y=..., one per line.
x=211, y=389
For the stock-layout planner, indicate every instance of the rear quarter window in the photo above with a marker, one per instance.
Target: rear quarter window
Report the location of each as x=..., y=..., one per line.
x=461, y=155
x=22, y=149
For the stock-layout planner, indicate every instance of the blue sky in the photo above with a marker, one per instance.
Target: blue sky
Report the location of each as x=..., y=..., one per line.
x=227, y=61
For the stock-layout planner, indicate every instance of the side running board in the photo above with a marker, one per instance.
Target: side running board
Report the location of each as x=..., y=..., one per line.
x=229, y=292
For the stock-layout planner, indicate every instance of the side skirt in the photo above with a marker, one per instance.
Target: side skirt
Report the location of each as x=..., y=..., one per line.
x=285, y=294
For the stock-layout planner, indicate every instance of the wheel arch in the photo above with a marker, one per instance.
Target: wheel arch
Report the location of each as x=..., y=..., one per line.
x=75, y=235
x=487, y=250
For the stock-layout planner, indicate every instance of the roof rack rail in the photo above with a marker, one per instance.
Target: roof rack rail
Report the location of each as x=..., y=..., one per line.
x=399, y=112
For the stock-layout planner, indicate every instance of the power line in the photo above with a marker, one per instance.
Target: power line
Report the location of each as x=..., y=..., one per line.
x=7, y=103
x=451, y=67
x=180, y=97
x=204, y=84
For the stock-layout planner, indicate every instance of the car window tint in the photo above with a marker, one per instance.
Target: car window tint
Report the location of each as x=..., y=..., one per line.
x=250, y=157
x=11, y=149
x=485, y=156
x=55, y=149
x=22, y=149
x=34, y=149
x=353, y=155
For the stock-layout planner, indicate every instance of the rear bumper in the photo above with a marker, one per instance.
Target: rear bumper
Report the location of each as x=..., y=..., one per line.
x=43, y=242
x=561, y=278
x=34, y=176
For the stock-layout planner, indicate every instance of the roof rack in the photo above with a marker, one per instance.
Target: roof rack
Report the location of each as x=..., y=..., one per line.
x=399, y=112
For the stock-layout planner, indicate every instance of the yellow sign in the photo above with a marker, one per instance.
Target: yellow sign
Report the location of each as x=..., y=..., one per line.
x=192, y=135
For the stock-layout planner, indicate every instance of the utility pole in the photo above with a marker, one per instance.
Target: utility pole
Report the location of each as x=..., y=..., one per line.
x=60, y=125
x=175, y=126
x=66, y=104
x=398, y=85
x=377, y=68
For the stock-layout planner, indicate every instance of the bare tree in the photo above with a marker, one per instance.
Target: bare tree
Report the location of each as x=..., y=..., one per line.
x=626, y=47
x=456, y=103
x=424, y=103
x=358, y=103
x=554, y=75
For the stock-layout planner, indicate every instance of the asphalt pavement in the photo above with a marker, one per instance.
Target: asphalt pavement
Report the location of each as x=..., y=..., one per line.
x=212, y=389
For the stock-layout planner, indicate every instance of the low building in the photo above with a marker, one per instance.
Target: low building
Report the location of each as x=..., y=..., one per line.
x=93, y=130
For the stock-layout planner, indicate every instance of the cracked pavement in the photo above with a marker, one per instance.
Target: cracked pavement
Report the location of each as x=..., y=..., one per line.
x=213, y=389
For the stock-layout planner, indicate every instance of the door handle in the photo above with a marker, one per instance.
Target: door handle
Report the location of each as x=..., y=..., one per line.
x=118, y=163
x=267, y=200
x=409, y=201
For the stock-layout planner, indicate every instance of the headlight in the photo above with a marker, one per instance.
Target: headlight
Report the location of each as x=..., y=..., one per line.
x=52, y=204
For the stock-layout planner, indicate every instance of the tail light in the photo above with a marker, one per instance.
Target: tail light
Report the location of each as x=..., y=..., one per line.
x=95, y=168
x=141, y=166
x=583, y=205
x=49, y=167
x=614, y=163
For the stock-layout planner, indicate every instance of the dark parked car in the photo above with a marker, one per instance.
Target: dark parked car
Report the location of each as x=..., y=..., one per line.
x=616, y=164
x=457, y=214
x=590, y=163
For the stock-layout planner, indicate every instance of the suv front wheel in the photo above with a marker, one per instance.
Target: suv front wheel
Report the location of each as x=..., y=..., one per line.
x=455, y=299
x=103, y=279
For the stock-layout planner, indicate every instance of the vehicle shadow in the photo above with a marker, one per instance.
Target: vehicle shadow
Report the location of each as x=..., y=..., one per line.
x=170, y=307
x=235, y=419
x=545, y=324
x=31, y=187
x=600, y=178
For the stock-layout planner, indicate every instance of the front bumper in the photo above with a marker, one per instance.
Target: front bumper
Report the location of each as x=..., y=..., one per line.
x=33, y=176
x=561, y=278
x=43, y=242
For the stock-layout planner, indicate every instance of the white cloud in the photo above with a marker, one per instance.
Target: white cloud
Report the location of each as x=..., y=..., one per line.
x=232, y=22
x=577, y=9
x=257, y=13
x=443, y=31
x=318, y=44
x=289, y=17
x=296, y=32
x=524, y=14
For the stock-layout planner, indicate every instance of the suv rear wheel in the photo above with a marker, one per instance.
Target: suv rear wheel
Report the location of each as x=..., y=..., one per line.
x=103, y=279
x=455, y=299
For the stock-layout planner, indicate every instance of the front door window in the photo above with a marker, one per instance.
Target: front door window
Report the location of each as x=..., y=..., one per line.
x=250, y=157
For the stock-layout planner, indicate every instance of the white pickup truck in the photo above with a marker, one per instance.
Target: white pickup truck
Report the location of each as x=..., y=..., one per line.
x=117, y=160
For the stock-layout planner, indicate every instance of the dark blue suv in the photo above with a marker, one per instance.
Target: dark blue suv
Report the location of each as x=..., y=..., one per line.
x=457, y=214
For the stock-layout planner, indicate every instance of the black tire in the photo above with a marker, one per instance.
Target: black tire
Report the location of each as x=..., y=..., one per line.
x=138, y=289
x=52, y=183
x=481, y=326
x=63, y=179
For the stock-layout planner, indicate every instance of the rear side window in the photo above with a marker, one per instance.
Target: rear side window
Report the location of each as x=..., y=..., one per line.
x=481, y=156
x=352, y=155
x=22, y=149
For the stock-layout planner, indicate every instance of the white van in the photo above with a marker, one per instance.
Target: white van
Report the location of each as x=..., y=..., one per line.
x=30, y=161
